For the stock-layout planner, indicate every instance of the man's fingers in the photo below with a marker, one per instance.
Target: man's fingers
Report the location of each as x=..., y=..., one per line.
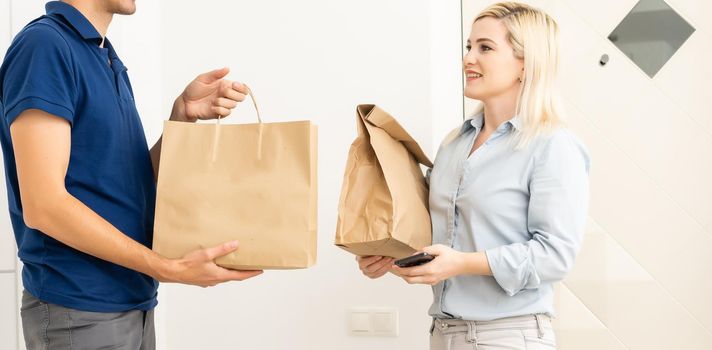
x=218, y=251
x=221, y=111
x=225, y=103
x=213, y=75
x=233, y=95
x=239, y=275
x=239, y=87
x=233, y=90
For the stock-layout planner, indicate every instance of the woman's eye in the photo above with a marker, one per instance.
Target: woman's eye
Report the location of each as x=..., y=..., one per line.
x=485, y=48
x=468, y=47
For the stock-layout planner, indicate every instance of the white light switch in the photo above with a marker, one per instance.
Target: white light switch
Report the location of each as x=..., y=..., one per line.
x=373, y=322
x=385, y=323
x=360, y=322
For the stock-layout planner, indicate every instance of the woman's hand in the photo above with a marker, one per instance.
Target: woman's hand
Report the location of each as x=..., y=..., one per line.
x=447, y=263
x=374, y=266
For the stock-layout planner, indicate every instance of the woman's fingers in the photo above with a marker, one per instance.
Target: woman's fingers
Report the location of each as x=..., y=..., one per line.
x=374, y=266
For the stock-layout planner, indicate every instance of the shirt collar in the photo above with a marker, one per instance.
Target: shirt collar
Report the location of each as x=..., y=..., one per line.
x=478, y=120
x=116, y=64
x=516, y=122
x=74, y=18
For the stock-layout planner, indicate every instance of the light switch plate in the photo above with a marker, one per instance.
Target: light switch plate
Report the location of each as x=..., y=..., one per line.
x=359, y=322
x=373, y=322
x=385, y=323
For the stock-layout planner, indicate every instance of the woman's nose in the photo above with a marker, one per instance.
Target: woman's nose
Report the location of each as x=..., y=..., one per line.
x=469, y=59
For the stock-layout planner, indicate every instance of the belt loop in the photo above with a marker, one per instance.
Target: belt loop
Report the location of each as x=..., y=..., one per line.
x=539, y=325
x=432, y=326
x=472, y=334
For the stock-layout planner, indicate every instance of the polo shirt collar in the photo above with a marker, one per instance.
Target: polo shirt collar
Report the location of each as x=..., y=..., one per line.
x=74, y=18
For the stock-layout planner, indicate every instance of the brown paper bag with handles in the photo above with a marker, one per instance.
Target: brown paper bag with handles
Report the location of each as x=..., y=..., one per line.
x=383, y=209
x=255, y=183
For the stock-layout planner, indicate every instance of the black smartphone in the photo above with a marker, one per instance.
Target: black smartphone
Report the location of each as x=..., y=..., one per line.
x=414, y=260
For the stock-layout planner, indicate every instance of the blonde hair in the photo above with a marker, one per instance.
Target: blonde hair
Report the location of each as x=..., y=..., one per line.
x=533, y=35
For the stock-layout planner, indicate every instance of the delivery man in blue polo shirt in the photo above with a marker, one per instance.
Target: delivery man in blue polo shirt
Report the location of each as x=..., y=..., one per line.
x=81, y=182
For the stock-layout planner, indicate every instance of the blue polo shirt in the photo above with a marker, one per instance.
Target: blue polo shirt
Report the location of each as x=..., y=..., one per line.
x=55, y=64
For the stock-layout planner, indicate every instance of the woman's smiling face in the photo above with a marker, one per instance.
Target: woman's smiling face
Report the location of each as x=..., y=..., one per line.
x=491, y=67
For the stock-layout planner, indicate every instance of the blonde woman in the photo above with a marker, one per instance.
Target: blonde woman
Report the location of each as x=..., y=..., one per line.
x=508, y=194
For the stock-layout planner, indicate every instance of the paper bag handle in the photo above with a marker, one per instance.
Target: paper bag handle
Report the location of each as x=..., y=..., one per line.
x=216, y=139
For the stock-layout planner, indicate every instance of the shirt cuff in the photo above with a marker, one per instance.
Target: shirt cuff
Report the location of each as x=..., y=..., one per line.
x=41, y=104
x=512, y=272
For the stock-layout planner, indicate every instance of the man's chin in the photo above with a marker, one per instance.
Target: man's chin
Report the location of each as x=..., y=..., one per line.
x=123, y=8
x=127, y=11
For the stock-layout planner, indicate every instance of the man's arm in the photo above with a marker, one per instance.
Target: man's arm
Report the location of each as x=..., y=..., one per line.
x=42, y=144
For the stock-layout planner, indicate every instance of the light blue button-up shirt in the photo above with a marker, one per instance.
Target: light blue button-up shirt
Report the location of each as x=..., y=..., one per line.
x=526, y=209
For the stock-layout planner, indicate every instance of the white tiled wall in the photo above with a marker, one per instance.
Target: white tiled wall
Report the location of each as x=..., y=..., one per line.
x=640, y=281
x=689, y=89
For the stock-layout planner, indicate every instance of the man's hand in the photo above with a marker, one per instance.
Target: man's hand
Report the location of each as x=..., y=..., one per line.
x=198, y=268
x=208, y=96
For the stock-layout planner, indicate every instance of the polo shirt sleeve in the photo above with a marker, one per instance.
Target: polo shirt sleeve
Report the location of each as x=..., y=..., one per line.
x=39, y=74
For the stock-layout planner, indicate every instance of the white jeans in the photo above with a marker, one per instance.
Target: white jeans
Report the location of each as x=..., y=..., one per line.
x=531, y=332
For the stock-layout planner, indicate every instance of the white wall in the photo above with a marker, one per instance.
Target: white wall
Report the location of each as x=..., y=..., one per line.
x=312, y=60
x=9, y=296
x=446, y=78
